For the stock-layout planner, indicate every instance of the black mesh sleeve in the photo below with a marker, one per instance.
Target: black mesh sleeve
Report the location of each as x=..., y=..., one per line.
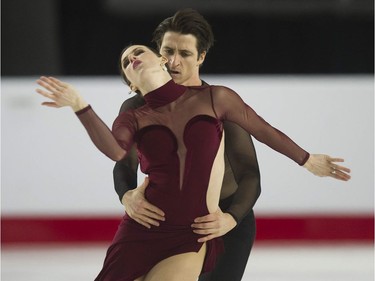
x=240, y=151
x=125, y=171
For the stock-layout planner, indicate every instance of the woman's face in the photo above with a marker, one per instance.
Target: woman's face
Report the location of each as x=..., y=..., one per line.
x=136, y=62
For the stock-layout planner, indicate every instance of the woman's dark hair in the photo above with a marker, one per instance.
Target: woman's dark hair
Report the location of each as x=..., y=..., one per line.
x=122, y=73
x=187, y=21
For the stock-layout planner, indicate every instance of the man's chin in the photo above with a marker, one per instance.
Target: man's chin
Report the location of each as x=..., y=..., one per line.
x=177, y=78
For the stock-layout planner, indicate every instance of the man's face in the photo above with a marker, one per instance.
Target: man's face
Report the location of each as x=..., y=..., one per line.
x=182, y=54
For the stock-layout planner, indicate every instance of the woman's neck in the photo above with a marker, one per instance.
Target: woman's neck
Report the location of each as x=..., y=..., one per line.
x=156, y=82
x=165, y=94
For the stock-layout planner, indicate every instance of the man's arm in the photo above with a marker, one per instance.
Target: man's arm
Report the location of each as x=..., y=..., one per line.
x=125, y=174
x=125, y=171
x=241, y=154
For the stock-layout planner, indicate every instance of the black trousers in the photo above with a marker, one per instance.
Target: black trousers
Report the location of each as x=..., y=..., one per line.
x=238, y=243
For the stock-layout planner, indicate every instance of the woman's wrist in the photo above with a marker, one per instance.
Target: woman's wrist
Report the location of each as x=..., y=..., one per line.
x=81, y=104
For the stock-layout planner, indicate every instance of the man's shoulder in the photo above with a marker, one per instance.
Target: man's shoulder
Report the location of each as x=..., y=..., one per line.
x=132, y=103
x=204, y=83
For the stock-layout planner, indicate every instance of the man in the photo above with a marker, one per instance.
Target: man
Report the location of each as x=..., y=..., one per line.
x=184, y=40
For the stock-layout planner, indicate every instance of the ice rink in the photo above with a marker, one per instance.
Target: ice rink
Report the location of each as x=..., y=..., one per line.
x=289, y=262
x=44, y=205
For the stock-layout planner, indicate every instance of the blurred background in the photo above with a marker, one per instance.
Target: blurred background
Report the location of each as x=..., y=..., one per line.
x=306, y=66
x=77, y=37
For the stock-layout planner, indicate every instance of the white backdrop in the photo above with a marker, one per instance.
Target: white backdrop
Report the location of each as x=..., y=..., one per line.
x=49, y=166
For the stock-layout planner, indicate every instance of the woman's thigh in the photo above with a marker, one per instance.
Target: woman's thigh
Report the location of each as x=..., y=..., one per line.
x=182, y=267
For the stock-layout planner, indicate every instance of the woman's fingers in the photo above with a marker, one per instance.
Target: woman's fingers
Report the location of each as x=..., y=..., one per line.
x=335, y=159
x=45, y=85
x=52, y=84
x=58, y=82
x=50, y=104
x=338, y=167
x=324, y=165
x=62, y=94
x=337, y=174
x=341, y=168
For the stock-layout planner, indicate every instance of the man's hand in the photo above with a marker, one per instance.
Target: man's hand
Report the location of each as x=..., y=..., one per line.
x=213, y=225
x=139, y=209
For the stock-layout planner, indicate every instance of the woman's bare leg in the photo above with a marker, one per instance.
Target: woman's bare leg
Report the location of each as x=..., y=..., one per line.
x=182, y=267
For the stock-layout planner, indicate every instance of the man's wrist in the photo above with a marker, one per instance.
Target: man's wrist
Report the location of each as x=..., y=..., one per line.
x=123, y=197
x=230, y=215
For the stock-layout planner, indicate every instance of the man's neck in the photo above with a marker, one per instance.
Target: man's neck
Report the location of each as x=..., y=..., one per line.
x=193, y=82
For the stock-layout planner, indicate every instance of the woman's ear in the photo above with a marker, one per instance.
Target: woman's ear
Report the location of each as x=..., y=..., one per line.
x=163, y=63
x=164, y=59
x=133, y=88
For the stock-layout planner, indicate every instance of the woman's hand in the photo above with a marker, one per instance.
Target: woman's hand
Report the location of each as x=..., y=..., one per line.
x=323, y=166
x=62, y=94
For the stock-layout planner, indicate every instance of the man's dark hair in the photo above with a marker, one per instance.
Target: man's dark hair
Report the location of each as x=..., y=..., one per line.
x=187, y=21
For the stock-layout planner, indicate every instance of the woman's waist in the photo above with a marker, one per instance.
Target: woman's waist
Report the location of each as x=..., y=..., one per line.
x=169, y=225
x=177, y=204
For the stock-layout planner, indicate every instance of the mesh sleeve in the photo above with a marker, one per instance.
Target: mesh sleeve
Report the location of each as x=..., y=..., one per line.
x=125, y=170
x=113, y=144
x=242, y=158
x=231, y=107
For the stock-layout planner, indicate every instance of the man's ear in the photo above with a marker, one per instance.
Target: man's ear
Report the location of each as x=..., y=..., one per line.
x=201, y=57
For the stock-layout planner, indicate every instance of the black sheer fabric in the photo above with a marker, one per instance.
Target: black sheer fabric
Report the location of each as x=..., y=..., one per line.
x=242, y=172
x=125, y=171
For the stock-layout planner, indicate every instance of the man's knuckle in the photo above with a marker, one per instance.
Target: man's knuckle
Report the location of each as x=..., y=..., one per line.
x=140, y=202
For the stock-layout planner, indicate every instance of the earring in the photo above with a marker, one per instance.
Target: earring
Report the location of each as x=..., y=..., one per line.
x=132, y=90
x=163, y=62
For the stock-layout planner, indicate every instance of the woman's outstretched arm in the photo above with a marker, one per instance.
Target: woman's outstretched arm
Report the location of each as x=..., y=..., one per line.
x=62, y=94
x=231, y=107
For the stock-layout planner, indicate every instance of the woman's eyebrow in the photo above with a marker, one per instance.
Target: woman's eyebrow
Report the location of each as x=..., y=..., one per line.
x=125, y=62
x=126, y=57
x=136, y=49
x=133, y=51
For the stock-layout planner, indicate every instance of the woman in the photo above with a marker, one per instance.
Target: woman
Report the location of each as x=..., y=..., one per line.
x=179, y=138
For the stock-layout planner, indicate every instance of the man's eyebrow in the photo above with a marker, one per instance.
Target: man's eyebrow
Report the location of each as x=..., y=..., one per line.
x=184, y=50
